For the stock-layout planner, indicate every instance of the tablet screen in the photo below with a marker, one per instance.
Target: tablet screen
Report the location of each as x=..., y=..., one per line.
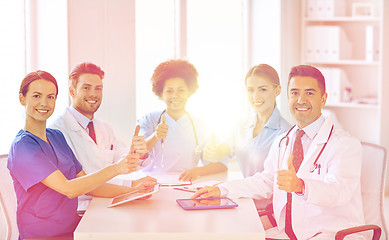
x=206, y=203
x=131, y=196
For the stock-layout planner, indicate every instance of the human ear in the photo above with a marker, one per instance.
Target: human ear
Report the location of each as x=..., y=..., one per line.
x=323, y=99
x=22, y=99
x=277, y=90
x=72, y=91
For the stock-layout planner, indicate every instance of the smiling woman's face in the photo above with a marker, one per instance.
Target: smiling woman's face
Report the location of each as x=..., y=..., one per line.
x=261, y=93
x=175, y=94
x=39, y=100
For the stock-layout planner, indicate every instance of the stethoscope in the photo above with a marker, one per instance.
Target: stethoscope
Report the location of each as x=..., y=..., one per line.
x=315, y=164
x=197, y=149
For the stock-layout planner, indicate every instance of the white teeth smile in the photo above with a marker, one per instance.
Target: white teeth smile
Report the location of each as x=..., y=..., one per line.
x=42, y=111
x=302, y=109
x=257, y=103
x=91, y=101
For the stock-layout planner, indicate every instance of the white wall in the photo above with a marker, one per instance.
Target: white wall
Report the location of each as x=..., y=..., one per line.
x=290, y=47
x=106, y=37
x=47, y=47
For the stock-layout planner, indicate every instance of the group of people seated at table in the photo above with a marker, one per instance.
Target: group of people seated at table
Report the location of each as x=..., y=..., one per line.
x=310, y=171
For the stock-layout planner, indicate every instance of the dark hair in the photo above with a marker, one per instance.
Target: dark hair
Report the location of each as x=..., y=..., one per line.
x=85, y=67
x=264, y=70
x=33, y=76
x=176, y=68
x=308, y=71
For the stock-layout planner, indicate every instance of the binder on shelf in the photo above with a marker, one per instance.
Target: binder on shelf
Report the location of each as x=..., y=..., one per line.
x=310, y=47
x=320, y=8
x=325, y=8
x=334, y=8
x=327, y=43
x=369, y=46
x=372, y=43
x=311, y=8
x=340, y=46
x=337, y=85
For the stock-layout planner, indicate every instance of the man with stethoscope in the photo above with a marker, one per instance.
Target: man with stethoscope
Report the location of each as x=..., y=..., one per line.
x=312, y=171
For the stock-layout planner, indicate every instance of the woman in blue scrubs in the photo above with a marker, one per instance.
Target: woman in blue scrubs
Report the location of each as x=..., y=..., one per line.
x=251, y=140
x=47, y=177
x=175, y=137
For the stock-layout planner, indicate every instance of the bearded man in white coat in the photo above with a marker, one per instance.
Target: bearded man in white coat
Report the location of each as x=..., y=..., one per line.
x=325, y=191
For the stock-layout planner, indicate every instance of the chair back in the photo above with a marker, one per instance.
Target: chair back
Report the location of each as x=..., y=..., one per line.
x=374, y=161
x=8, y=204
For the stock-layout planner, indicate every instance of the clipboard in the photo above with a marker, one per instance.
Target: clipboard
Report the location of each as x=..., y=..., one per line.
x=206, y=203
x=128, y=197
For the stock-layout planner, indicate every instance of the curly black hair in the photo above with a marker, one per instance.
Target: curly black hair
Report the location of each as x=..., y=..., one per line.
x=176, y=68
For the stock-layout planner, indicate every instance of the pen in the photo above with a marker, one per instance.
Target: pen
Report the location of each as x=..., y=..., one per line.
x=111, y=146
x=214, y=185
x=185, y=189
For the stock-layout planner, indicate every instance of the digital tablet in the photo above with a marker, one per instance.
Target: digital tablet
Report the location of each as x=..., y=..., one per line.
x=206, y=203
x=131, y=196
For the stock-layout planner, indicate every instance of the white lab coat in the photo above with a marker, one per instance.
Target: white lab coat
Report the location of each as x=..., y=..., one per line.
x=92, y=156
x=332, y=200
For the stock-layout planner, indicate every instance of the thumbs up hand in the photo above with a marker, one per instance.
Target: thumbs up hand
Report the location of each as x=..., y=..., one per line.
x=162, y=129
x=287, y=180
x=210, y=150
x=138, y=145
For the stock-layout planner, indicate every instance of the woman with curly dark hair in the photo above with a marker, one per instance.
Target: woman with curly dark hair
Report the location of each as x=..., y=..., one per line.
x=174, y=137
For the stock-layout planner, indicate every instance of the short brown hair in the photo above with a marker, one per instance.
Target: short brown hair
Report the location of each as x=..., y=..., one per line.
x=81, y=68
x=176, y=68
x=33, y=76
x=308, y=71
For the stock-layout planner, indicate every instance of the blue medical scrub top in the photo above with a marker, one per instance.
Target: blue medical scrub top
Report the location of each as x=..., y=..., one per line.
x=178, y=153
x=251, y=152
x=41, y=211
